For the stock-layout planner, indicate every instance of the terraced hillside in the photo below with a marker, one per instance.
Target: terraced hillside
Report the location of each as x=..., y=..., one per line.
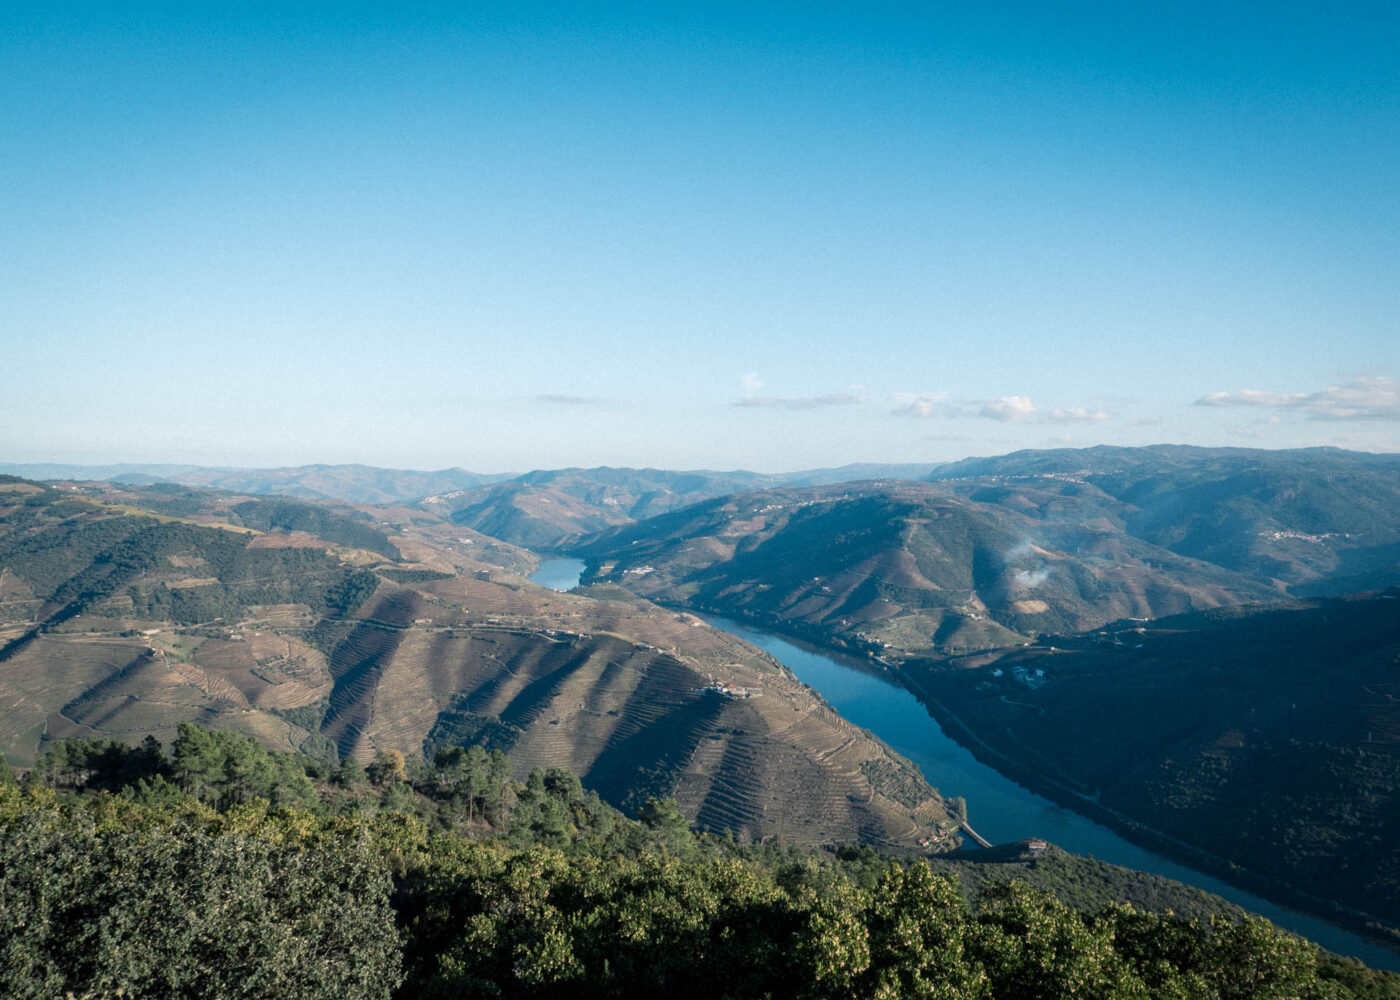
x=637, y=700
x=342, y=631
x=908, y=567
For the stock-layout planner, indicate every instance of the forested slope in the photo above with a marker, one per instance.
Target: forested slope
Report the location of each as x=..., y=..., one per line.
x=450, y=880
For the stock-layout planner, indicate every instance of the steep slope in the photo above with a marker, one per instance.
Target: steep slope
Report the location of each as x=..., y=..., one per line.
x=129, y=610
x=546, y=509
x=1317, y=520
x=637, y=700
x=907, y=567
x=1267, y=737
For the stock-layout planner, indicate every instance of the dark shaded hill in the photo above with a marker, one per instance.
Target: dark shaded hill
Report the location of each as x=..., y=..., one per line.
x=1268, y=737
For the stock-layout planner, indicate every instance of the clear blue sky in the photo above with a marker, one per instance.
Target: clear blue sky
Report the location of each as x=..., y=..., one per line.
x=765, y=236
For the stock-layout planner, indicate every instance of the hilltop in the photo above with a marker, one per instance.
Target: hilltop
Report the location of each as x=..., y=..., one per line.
x=905, y=567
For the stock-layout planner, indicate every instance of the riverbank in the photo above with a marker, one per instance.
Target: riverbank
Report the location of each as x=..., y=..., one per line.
x=1138, y=846
x=1276, y=891
x=1009, y=802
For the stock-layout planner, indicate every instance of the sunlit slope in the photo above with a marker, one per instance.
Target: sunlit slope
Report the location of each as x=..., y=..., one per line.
x=344, y=630
x=907, y=566
x=548, y=509
x=1317, y=520
x=637, y=700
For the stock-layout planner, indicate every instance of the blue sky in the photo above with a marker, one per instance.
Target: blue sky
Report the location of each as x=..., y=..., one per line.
x=759, y=236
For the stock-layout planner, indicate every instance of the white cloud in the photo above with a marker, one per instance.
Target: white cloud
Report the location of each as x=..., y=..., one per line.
x=751, y=383
x=1369, y=397
x=925, y=404
x=1007, y=408
x=800, y=402
x=1074, y=415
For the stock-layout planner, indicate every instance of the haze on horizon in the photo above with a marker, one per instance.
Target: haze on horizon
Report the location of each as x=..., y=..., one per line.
x=713, y=236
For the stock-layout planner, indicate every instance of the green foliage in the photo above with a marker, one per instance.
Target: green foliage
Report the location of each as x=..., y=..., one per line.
x=534, y=890
x=281, y=514
x=457, y=725
x=226, y=768
x=104, y=903
x=409, y=576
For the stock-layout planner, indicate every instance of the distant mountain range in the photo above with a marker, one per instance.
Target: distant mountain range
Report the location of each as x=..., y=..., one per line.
x=993, y=552
x=352, y=483
x=1316, y=520
x=542, y=508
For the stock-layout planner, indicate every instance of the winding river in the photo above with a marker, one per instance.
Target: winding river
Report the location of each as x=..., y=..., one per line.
x=998, y=808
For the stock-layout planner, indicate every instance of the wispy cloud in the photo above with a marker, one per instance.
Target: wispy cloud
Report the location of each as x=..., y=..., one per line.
x=1075, y=415
x=1369, y=397
x=1004, y=409
x=799, y=402
x=551, y=397
x=751, y=383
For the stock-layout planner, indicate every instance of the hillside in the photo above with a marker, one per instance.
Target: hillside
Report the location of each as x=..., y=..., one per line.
x=1267, y=737
x=898, y=568
x=342, y=633
x=447, y=879
x=1318, y=520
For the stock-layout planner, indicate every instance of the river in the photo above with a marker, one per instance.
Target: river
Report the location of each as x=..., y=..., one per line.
x=997, y=807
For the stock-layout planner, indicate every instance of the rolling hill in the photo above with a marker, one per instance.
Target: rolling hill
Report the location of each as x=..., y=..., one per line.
x=544, y=508
x=895, y=567
x=1317, y=520
x=352, y=483
x=342, y=632
x=550, y=509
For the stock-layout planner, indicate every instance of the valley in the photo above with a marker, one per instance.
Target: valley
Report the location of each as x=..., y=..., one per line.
x=341, y=634
x=1101, y=625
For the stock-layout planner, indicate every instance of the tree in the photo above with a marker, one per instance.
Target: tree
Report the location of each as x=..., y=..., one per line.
x=175, y=909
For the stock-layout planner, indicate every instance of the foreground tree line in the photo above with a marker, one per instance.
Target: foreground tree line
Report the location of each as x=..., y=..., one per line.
x=220, y=869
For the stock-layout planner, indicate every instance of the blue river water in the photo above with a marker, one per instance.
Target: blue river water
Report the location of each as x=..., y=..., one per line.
x=998, y=808
x=559, y=574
